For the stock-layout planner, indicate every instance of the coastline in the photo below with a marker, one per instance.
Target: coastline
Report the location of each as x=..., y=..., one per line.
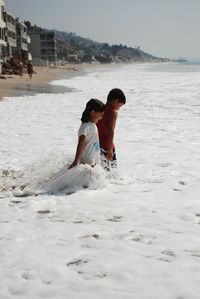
x=14, y=86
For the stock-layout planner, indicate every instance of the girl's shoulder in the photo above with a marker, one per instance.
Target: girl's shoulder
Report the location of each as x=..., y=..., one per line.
x=87, y=127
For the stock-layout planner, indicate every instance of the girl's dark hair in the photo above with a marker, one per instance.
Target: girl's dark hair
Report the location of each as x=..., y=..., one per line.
x=116, y=94
x=94, y=105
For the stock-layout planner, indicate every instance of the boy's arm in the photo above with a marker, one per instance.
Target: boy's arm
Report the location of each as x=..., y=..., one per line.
x=79, y=151
x=111, y=129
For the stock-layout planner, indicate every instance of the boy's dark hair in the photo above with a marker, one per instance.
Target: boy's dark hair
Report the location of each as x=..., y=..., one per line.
x=93, y=104
x=116, y=94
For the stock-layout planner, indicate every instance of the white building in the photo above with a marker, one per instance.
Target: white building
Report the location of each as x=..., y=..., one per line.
x=23, y=40
x=2, y=30
x=11, y=33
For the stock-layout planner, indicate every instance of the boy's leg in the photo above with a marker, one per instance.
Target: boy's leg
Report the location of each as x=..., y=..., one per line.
x=108, y=164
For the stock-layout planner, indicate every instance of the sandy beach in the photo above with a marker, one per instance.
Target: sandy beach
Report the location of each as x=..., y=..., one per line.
x=14, y=85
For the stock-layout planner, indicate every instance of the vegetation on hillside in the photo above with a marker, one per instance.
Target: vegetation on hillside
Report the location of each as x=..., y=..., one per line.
x=74, y=48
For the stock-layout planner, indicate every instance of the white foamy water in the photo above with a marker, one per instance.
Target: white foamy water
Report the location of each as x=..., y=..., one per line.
x=136, y=235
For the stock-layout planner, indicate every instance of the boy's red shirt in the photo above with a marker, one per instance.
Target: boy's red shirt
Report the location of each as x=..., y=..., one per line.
x=103, y=128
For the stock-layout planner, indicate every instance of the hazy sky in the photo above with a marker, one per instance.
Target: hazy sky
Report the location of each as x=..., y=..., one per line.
x=165, y=28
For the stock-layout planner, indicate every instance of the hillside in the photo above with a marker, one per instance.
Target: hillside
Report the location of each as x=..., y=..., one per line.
x=75, y=48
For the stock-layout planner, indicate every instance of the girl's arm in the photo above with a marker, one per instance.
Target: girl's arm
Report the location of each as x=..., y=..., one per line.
x=79, y=151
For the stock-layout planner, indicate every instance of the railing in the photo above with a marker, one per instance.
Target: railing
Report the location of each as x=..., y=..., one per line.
x=11, y=27
x=12, y=42
x=24, y=47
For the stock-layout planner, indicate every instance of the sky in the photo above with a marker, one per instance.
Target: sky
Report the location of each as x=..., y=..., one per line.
x=164, y=28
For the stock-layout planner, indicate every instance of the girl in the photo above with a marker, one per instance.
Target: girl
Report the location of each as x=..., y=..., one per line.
x=88, y=149
x=87, y=155
x=72, y=178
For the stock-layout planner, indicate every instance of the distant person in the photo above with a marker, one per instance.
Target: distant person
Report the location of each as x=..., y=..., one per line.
x=106, y=127
x=88, y=149
x=21, y=69
x=30, y=69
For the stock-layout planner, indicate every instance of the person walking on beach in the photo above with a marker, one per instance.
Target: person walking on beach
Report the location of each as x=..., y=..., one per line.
x=88, y=149
x=106, y=127
x=30, y=69
x=21, y=70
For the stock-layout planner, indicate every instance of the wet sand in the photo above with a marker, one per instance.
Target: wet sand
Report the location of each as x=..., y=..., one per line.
x=14, y=86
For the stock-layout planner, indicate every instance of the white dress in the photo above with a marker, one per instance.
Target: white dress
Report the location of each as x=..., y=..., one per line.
x=91, y=153
x=88, y=174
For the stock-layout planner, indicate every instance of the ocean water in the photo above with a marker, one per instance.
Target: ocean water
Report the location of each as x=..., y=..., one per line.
x=136, y=235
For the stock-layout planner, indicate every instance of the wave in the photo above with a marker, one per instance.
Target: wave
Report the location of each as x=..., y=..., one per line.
x=48, y=176
x=66, y=181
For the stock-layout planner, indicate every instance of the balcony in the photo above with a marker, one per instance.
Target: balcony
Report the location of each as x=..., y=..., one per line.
x=24, y=47
x=2, y=24
x=3, y=43
x=12, y=42
x=28, y=39
x=11, y=27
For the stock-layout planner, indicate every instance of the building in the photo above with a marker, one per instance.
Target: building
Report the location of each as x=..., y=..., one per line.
x=2, y=26
x=11, y=34
x=48, y=46
x=3, y=43
x=23, y=40
x=16, y=38
x=43, y=44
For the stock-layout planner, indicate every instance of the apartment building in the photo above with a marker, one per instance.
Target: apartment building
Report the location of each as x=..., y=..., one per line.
x=3, y=43
x=48, y=45
x=11, y=33
x=43, y=44
x=23, y=40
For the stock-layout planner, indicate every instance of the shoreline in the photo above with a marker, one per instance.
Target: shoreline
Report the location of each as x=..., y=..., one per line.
x=14, y=86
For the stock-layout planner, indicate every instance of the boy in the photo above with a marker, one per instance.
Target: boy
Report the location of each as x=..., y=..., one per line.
x=106, y=126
